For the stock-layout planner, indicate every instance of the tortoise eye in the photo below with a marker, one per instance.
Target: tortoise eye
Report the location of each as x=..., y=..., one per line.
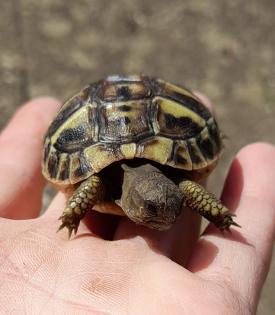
x=151, y=208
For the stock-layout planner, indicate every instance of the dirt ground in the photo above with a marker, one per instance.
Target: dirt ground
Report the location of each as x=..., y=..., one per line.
x=223, y=48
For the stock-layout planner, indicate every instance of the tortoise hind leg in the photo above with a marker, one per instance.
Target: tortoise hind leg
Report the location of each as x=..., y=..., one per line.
x=206, y=204
x=84, y=197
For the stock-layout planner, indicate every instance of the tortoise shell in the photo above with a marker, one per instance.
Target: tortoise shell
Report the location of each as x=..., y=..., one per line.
x=127, y=117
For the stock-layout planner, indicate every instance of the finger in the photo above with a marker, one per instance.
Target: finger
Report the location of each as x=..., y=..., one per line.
x=175, y=243
x=21, y=151
x=205, y=100
x=240, y=261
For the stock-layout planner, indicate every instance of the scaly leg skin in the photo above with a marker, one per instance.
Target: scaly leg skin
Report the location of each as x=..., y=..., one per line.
x=206, y=204
x=84, y=198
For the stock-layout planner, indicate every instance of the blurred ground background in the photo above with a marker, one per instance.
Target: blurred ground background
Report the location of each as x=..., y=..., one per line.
x=223, y=48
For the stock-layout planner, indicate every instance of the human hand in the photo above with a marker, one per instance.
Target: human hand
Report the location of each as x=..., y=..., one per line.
x=121, y=268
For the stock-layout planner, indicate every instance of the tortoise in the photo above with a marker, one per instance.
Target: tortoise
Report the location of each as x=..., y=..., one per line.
x=137, y=141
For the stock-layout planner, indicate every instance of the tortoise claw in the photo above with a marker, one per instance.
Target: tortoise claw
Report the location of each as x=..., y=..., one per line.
x=236, y=224
x=228, y=221
x=72, y=227
x=61, y=227
x=70, y=230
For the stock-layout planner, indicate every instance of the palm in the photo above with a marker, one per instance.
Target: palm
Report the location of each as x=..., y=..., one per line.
x=86, y=273
x=122, y=268
x=89, y=274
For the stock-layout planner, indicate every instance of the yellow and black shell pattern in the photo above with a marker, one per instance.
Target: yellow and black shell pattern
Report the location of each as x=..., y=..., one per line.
x=127, y=117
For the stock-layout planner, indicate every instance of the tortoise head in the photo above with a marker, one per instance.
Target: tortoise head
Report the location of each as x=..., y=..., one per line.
x=149, y=198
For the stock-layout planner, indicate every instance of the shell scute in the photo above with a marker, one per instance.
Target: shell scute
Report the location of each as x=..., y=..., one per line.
x=122, y=126
x=177, y=121
x=124, y=91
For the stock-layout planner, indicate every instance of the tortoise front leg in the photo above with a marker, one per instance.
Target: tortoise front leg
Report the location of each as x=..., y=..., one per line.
x=206, y=204
x=84, y=198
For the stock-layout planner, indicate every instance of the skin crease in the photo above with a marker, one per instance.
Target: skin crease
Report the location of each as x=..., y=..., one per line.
x=140, y=271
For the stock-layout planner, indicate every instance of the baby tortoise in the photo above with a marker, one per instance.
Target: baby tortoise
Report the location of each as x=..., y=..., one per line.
x=139, y=141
